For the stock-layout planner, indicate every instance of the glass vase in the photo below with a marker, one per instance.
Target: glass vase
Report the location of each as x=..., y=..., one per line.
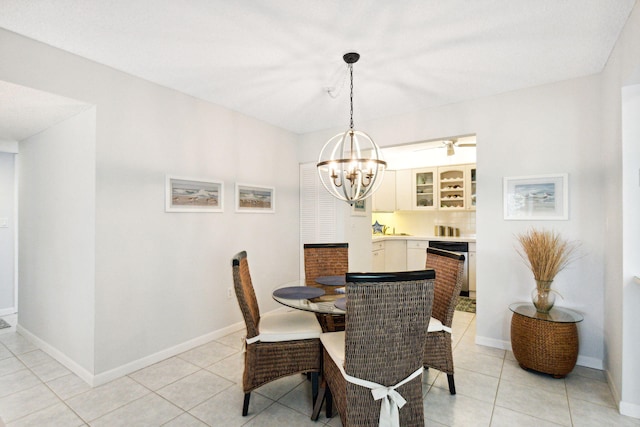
x=543, y=297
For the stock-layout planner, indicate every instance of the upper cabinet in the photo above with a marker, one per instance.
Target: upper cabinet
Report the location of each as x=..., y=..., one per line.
x=470, y=185
x=444, y=188
x=404, y=187
x=451, y=183
x=384, y=199
x=423, y=187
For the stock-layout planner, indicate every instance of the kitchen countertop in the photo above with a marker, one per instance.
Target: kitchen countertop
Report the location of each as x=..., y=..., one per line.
x=471, y=238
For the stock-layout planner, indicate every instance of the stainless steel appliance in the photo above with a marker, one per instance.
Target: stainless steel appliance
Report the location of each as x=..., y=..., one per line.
x=461, y=248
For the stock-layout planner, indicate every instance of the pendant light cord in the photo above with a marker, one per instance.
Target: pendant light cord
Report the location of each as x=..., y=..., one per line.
x=351, y=96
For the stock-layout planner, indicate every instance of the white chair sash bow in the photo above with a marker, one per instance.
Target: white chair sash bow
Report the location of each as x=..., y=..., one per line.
x=246, y=341
x=252, y=340
x=392, y=400
x=436, y=326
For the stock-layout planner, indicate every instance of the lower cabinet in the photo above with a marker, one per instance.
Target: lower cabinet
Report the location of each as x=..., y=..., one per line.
x=390, y=255
x=395, y=255
x=378, y=255
x=410, y=255
x=416, y=254
x=472, y=270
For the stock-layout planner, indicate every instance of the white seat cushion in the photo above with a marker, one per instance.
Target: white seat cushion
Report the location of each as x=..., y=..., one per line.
x=333, y=342
x=289, y=326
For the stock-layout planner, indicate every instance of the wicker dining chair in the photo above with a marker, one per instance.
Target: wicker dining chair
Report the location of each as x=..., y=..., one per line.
x=277, y=344
x=383, y=344
x=326, y=259
x=438, y=352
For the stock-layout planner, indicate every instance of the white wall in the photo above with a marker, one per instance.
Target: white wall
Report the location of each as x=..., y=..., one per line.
x=620, y=198
x=8, y=234
x=553, y=129
x=57, y=237
x=631, y=247
x=168, y=273
x=161, y=279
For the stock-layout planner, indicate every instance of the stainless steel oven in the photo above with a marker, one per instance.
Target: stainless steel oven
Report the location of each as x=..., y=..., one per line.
x=461, y=248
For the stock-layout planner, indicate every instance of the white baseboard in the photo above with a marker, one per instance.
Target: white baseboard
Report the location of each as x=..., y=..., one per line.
x=612, y=386
x=492, y=342
x=120, y=371
x=630, y=409
x=625, y=408
x=68, y=363
x=590, y=362
x=130, y=367
x=7, y=311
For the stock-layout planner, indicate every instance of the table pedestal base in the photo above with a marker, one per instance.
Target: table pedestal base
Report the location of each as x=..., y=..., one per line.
x=544, y=346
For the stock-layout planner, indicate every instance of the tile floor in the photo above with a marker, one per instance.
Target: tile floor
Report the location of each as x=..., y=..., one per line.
x=201, y=388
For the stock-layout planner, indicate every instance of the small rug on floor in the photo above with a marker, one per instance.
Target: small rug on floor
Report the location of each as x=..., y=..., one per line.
x=4, y=324
x=466, y=304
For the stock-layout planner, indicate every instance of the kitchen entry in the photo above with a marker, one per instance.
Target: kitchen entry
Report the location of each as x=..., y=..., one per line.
x=428, y=198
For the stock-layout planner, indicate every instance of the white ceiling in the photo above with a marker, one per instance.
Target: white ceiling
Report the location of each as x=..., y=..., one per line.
x=273, y=60
x=25, y=112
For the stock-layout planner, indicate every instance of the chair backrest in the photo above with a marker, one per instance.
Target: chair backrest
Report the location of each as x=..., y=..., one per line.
x=325, y=259
x=449, y=267
x=384, y=338
x=245, y=294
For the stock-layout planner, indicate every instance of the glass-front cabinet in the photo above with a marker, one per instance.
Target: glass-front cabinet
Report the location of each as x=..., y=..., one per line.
x=424, y=194
x=452, y=187
x=471, y=187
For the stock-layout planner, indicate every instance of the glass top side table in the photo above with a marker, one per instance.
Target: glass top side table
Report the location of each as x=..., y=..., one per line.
x=542, y=342
x=557, y=314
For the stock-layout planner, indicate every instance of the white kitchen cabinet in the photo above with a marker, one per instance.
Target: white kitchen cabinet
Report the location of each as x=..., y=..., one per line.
x=384, y=199
x=403, y=190
x=423, y=187
x=395, y=255
x=472, y=270
x=377, y=254
x=451, y=187
x=416, y=254
x=444, y=188
x=470, y=186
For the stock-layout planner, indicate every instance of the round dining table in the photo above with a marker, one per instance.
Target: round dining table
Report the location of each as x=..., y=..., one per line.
x=325, y=293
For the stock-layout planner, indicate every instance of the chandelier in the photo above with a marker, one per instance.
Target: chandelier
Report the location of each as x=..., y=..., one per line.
x=350, y=165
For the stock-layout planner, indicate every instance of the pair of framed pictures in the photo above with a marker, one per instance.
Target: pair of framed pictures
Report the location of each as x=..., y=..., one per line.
x=184, y=194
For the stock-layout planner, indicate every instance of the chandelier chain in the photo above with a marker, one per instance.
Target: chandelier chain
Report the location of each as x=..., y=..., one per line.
x=351, y=96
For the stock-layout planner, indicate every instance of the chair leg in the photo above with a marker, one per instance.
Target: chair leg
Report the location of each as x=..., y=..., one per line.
x=318, y=403
x=329, y=404
x=245, y=406
x=452, y=384
x=314, y=386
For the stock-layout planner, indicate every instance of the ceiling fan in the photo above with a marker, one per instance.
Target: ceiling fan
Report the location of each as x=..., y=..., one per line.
x=451, y=145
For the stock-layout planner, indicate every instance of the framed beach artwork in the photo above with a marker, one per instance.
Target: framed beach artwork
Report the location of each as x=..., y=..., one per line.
x=255, y=198
x=193, y=195
x=359, y=208
x=539, y=197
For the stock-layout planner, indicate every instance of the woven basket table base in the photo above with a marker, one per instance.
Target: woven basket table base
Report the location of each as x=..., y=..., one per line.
x=544, y=346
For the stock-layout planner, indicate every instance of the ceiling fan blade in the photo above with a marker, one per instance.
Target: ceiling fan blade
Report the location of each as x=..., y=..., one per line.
x=427, y=148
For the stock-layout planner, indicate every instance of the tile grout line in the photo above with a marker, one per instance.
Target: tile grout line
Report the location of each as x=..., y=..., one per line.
x=60, y=400
x=495, y=398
